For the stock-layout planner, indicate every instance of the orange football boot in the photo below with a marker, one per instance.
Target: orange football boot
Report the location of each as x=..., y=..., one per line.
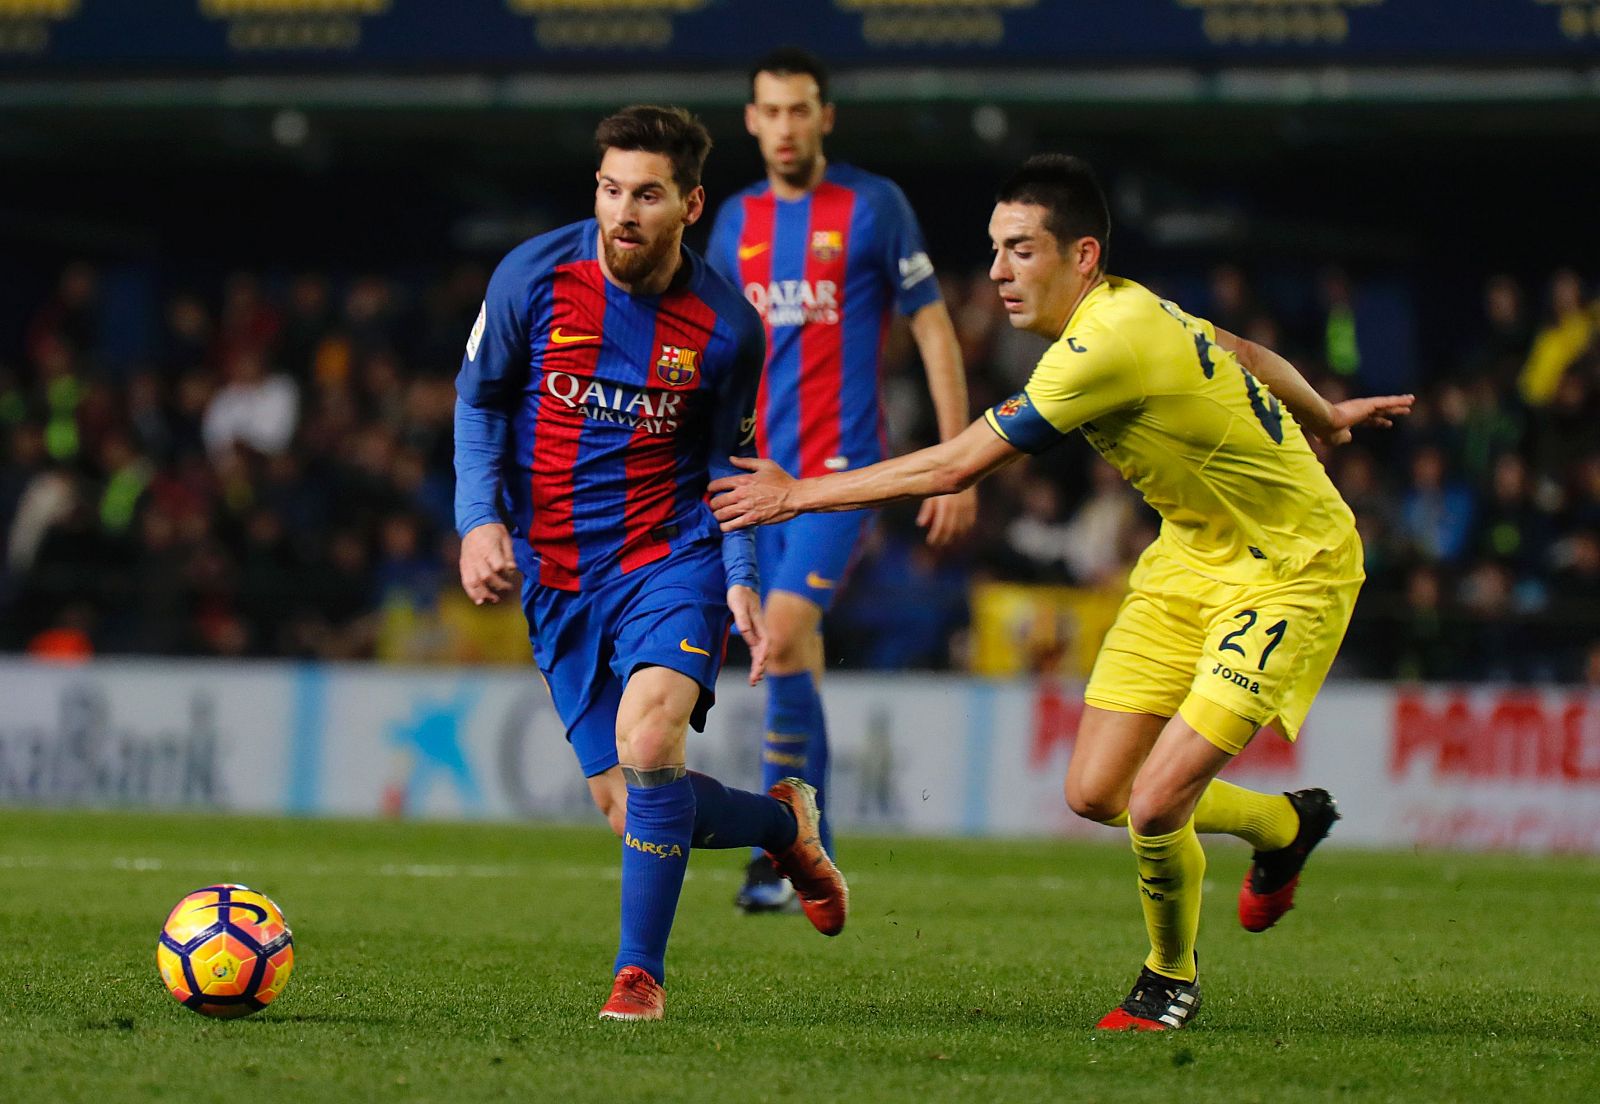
x=635, y=996
x=824, y=897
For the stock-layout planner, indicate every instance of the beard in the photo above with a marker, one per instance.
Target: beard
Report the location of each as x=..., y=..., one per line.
x=632, y=265
x=798, y=175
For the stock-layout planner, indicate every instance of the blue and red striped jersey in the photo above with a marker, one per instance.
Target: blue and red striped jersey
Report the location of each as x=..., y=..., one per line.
x=824, y=271
x=590, y=420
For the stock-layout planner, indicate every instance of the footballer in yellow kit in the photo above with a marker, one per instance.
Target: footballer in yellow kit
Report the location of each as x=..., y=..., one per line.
x=1234, y=613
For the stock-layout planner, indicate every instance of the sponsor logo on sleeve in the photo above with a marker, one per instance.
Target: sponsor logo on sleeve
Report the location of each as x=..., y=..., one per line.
x=477, y=331
x=914, y=269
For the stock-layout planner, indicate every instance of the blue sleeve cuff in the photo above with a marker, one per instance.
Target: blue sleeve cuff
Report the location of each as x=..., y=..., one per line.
x=739, y=559
x=480, y=445
x=1019, y=422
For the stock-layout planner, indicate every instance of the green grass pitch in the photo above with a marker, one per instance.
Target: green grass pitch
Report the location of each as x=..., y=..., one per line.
x=460, y=963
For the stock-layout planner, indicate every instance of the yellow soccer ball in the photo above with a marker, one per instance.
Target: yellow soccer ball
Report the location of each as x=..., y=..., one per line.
x=225, y=951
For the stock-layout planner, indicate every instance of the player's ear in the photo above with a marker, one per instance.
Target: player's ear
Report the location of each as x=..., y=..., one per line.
x=695, y=205
x=827, y=118
x=1088, y=255
x=750, y=118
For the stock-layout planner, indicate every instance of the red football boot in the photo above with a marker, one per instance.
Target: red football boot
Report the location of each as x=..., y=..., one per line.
x=635, y=996
x=1269, y=884
x=824, y=897
x=1156, y=1003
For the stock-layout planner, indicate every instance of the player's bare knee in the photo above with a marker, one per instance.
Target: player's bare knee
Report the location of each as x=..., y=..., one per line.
x=655, y=739
x=790, y=653
x=1154, y=810
x=1096, y=806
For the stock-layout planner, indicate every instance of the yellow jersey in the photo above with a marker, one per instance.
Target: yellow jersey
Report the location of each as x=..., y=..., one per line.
x=1241, y=496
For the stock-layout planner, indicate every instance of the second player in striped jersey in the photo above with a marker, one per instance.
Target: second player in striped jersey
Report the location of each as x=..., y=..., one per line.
x=828, y=254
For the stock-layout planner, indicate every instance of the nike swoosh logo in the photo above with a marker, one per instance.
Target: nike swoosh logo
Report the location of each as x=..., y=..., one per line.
x=748, y=251
x=817, y=582
x=684, y=645
x=559, y=338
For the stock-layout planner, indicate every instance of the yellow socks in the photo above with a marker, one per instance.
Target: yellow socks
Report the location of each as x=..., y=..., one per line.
x=1266, y=822
x=1171, y=869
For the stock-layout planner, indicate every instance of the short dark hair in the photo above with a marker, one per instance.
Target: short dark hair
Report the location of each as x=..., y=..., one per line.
x=1067, y=188
x=670, y=131
x=788, y=61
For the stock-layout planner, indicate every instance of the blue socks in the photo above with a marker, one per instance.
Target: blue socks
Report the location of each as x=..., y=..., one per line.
x=738, y=818
x=655, y=857
x=797, y=738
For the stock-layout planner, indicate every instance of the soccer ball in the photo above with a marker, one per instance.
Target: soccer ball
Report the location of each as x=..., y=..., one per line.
x=225, y=951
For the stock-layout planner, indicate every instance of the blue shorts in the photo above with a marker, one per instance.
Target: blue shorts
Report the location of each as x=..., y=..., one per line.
x=810, y=555
x=672, y=613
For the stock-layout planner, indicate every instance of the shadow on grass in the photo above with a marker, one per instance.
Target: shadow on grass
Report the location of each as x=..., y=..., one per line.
x=355, y=1019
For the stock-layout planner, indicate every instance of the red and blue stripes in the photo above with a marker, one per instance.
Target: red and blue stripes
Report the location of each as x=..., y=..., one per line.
x=578, y=309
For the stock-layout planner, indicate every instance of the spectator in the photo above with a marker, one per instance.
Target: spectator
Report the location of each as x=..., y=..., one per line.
x=1502, y=345
x=253, y=408
x=1513, y=530
x=1437, y=514
x=1094, y=537
x=1559, y=345
x=206, y=505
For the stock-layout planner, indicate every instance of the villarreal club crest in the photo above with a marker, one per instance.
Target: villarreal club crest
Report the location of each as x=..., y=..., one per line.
x=677, y=367
x=1011, y=407
x=225, y=951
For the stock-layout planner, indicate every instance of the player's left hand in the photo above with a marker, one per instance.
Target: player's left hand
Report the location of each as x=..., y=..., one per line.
x=1378, y=411
x=948, y=518
x=760, y=498
x=745, y=605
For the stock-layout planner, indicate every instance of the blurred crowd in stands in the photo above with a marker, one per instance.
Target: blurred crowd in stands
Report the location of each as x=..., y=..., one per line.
x=272, y=477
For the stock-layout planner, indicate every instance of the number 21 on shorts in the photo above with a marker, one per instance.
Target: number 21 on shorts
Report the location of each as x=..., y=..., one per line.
x=1268, y=640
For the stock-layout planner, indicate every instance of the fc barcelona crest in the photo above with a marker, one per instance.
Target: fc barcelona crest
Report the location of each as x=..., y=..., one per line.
x=826, y=245
x=677, y=367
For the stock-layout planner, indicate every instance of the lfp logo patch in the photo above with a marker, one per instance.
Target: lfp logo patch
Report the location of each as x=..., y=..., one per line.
x=677, y=367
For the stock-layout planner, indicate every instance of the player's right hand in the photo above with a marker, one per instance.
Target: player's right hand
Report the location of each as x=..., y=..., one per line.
x=745, y=605
x=1378, y=411
x=488, y=569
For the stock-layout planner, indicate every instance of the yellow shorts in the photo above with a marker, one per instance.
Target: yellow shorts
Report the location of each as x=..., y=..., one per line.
x=1230, y=657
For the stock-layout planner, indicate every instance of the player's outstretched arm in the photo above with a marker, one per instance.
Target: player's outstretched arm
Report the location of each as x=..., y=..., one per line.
x=947, y=519
x=769, y=494
x=1332, y=422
